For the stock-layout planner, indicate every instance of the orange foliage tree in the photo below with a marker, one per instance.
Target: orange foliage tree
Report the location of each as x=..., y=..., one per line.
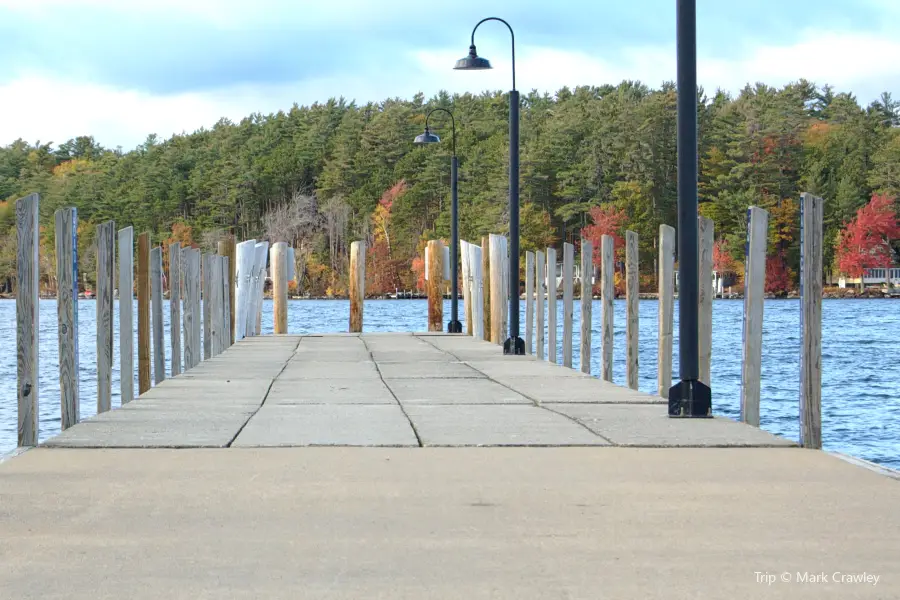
x=865, y=242
x=608, y=220
x=383, y=270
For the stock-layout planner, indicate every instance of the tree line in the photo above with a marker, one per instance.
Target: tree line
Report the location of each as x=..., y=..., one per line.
x=320, y=176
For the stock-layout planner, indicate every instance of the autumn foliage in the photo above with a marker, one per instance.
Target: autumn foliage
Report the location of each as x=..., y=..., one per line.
x=608, y=220
x=383, y=269
x=864, y=242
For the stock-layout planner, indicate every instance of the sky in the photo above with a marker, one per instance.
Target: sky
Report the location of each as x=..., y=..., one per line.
x=122, y=69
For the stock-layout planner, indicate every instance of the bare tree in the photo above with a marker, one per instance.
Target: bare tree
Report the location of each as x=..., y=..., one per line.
x=336, y=213
x=209, y=240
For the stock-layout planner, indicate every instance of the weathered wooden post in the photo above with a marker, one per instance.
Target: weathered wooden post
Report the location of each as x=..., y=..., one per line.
x=466, y=284
x=175, y=305
x=227, y=288
x=243, y=282
x=608, y=292
x=156, y=305
x=706, y=294
x=27, y=317
x=811, y=208
x=541, y=286
x=226, y=248
x=529, y=301
x=278, y=259
x=143, y=296
x=487, y=331
x=106, y=253
x=568, y=302
x=498, y=298
x=477, y=291
x=357, y=285
x=435, y=285
x=504, y=285
x=126, y=316
x=587, y=297
x=754, y=286
x=67, y=313
x=205, y=292
x=551, y=304
x=666, y=285
x=219, y=318
x=192, y=344
x=632, y=297
x=262, y=249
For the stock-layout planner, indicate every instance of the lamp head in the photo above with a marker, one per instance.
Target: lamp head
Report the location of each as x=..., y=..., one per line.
x=472, y=62
x=427, y=138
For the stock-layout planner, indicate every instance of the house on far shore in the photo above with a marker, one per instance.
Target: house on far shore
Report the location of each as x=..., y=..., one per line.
x=877, y=277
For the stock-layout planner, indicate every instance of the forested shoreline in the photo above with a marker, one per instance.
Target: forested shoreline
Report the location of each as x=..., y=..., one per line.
x=593, y=160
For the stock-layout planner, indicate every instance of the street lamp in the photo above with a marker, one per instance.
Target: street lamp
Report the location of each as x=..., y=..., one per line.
x=453, y=325
x=514, y=344
x=689, y=397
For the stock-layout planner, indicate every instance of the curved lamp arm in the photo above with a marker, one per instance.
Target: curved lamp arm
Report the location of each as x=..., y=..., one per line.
x=512, y=35
x=452, y=123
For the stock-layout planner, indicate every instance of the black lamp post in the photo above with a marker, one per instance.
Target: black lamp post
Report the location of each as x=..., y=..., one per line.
x=689, y=397
x=514, y=344
x=453, y=325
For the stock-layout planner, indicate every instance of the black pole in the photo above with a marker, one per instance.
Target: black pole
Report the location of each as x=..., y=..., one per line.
x=454, y=326
x=689, y=397
x=514, y=344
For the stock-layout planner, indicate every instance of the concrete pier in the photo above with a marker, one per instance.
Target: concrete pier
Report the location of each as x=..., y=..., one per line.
x=431, y=466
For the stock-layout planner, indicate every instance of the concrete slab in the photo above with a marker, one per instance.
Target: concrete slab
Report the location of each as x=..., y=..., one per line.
x=330, y=391
x=173, y=432
x=328, y=425
x=457, y=391
x=646, y=425
x=314, y=369
x=427, y=370
x=505, y=367
x=575, y=390
x=496, y=425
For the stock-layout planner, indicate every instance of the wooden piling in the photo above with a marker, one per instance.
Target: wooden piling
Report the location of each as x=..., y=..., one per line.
x=464, y=256
x=226, y=248
x=754, y=287
x=607, y=291
x=357, y=285
x=487, y=332
x=498, y=298
x=551, y=305
x=192, y=345
x=255, y=323
x=541, y=285
x=587, y=297
x=106, y=259
x=632, y=319
x=27, y=317
x=67, y=313
x=477, y=291
x=126, y=314
x=156, y=309
x=504, y=286
x=529, y=301
x=143, y=298
x=811, y=208
x=666, y=283
x=227, y=290
x=243, y=280
x=205, y=292
x=278, y=259
x=175, y=305
x=435, y=285
x=568, y=302
x=217, y=310
x=705, y=298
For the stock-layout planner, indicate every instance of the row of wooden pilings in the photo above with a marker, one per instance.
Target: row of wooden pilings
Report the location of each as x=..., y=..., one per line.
x=214, y=300
x=485, y=288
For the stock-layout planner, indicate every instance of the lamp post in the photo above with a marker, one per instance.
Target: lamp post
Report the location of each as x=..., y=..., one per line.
x=514, y=344
x=453, y=325
x=689, y=397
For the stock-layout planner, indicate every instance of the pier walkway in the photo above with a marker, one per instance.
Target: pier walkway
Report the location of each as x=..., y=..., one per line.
x=431, y=466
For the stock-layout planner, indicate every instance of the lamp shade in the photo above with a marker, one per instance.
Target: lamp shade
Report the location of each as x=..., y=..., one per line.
x=472, y=62
x=427, y=138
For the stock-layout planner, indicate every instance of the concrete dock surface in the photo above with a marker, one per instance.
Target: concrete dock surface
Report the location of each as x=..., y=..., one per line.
x=291, y=467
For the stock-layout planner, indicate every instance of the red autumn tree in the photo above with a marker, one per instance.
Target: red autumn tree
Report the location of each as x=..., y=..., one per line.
x=382, y=272
x=779, y=278
x=865, y=242
x=608, y=220
x=723, y=262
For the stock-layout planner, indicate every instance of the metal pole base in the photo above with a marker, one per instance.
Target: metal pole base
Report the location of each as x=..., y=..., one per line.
x=514, y=346
x=690, y=399
x=454, y=327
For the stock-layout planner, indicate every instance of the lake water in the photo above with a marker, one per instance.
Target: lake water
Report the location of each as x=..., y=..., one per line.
x=860, y=347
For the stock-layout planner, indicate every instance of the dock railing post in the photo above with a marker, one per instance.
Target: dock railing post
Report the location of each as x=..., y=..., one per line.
x=217, y=306
x=529, y=302
x=27, y=317
x=632, y=299
x=143, y=296
x=357, y=287
x=227, y=291
x=568, y=302
x=541, y=287
x=156, y=304
x=551, y=305
x=192, y=345
x=706, y=237
x=498, y=298
x=175, y=305
x=811, y=209
x=226, y=248
x=466, y=274
x=255, y=319
x=666, y=285
x=126, y=314
x=754, y=287
x=587, y=297
x=206, y=301
x=435, y=286
x=245, y=254
x=278, y=259
x=608, y=292
x=505, y=287
x=67, y=313
x=477, y=291
x=106, y=258
x=487, y=331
